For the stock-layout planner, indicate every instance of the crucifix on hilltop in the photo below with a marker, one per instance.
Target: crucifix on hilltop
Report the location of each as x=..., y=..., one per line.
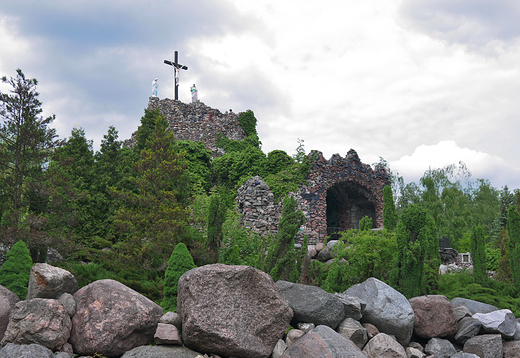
x=176, y=69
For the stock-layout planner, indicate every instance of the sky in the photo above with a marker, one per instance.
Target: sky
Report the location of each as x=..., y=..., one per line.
x=420, y=83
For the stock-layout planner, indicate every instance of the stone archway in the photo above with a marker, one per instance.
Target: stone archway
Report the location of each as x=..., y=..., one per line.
x=347, y=203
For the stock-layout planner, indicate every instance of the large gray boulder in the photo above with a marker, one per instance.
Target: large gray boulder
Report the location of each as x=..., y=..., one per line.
x=353, y=306
x=32, y=350
x=467, y=328
x=501, y=321
x=7, y=301
x=47, y=281
x=111, y=319
x=160, y=352
x=387, y=309
x=473, y=306
x=485, y=346
x=231, y=311
x=312, y=304
x=327, y=252
x=384, y=346
x=40, y=321
x=439, y=348
x=323, y=342
x=433, y=316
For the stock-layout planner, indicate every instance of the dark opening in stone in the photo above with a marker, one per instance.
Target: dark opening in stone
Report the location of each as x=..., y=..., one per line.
x=347, y=204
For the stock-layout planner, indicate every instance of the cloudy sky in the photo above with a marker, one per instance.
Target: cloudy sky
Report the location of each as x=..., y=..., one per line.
x=421, y=83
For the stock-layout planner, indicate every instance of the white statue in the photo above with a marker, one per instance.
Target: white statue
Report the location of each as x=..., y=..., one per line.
x=154, y=88
x=194, y=95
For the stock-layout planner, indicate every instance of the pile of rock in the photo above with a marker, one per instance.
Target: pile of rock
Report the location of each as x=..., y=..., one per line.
x=238, y=311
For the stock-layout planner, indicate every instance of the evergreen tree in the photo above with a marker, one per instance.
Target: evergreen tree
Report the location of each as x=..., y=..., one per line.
x=513, y=230
x=478, y=254
x=26, y=143
x=16, y=270
x=180, y=262
x=282, y=260
x=365, y=224
x=389, y=212
x=216, y=217
x=416, y=267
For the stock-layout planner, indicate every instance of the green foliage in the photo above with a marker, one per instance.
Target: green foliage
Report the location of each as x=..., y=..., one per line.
x=180, y=262
x=247, y=121
x=504, y=267
x=513, y=231
x=282, y=260
x=418, y=260
x=145, y=132
x=478, y=254
x=216, y=217
x=15, y=272
x=389, y=212
x=240, y=246
x=199, y=164
x=365, y=224
x=492, y=257
x=232, y=168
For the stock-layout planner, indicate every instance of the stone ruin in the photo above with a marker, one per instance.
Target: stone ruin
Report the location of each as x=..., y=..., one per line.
x=339, y=192
x=195, y=122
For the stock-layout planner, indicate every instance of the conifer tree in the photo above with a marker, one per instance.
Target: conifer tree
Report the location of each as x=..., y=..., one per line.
x=180, y=262
x=282, y=260
x=417, y=263
x=365, y=224
x=389, y=212
x=513, y=230
x=216, y=217
x=478, y=254
x=15, y=272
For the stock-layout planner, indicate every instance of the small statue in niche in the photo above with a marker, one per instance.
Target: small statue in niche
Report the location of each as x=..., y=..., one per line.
x=154, y=88
x=194, y=94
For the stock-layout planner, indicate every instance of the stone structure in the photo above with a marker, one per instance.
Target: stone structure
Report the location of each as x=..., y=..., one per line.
x=338, y=194
x=195, y=122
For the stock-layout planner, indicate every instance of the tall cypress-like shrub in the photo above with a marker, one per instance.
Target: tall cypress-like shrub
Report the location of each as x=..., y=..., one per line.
x=282, y=260
x=478, y=254
x=389, y=212
x=513, y=230
x=180, y=262
x=415, y=271
x=216, y=217
x=15, y=272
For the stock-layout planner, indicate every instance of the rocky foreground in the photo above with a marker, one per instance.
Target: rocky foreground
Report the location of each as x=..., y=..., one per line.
x=238, y=311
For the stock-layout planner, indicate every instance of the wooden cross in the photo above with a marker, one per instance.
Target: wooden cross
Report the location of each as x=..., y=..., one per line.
x=176, y=68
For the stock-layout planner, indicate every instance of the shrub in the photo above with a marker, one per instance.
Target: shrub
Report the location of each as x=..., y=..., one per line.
x=15, y=272
x=180, y=262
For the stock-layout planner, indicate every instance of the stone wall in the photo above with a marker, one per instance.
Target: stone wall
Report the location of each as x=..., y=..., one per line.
x=196, y=122
x=357, y=180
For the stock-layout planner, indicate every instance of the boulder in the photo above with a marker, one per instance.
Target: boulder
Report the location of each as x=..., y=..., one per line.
x=167, y=334
x=293, y=335
x=433, y=316
x=511, y=349
x=414, y=353
x=473, y=306
x=279, y=349
x=384, y=346
x=172, y=318
x=160, y=352
x=67, y=300
x=312, y=304
x=12, y=350
x=40, y=321
x=501, y=321
x=353, y=306
x=516, y=337
x=306, y=327
x=372, y=330
x=464, y=355
x=111, y=319
x=387, y=309
x=354, y=331
x=467, y=328
x=439, y=348
x=7, y=301
x=231, y=310
x=326, y=253
x=485, y=346
x=323, y=342
x=461, y=312
x=47, y=281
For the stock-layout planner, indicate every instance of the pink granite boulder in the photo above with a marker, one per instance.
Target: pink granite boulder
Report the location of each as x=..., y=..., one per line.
x=111, y=319
x=7, y=301
x=434, y=316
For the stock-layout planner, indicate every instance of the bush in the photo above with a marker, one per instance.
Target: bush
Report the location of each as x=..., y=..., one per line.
x=180, y=262
x=15, y=272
